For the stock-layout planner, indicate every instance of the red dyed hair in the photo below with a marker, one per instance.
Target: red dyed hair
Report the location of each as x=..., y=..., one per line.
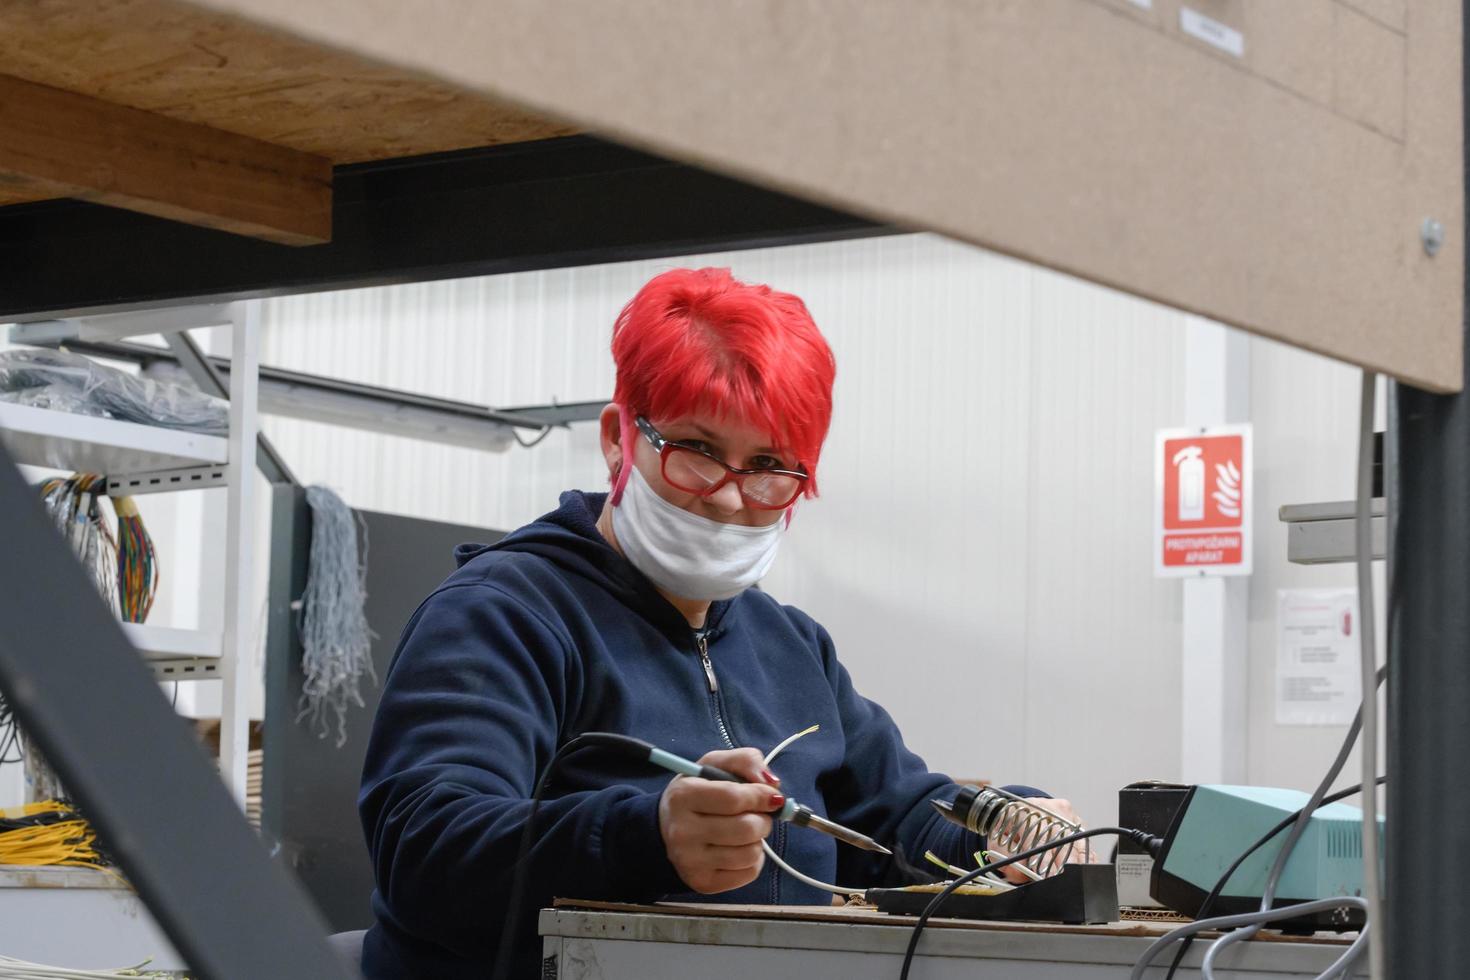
x=696, y=340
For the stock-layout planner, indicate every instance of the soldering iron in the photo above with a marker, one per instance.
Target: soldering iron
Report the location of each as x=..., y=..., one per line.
x=792, y=812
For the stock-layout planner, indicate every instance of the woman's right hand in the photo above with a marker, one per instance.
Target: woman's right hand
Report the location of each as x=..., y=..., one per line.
x=713, y=830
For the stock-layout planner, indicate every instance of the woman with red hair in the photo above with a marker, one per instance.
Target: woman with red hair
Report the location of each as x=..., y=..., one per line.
x=633, y=612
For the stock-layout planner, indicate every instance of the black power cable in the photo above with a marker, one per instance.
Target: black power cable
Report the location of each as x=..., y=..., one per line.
x=1209, y=903
x=1147, y=841
x=619, y=744
x=10, y=748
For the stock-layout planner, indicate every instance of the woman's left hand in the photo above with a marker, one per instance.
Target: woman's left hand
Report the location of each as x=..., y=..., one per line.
x=1082, y=853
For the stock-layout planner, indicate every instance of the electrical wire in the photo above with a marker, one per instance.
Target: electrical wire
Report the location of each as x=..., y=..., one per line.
x=1367, y=659
x=1299, y=825
x=14, y=969
x=72, y=505
x=1148, y=841
x=518, y=869
x=1254, y=920
x=137, y=563
x=849, y=893
x=124, y=568
x=1366, y=721
x=534, y=440
x=49, y=833
x=10, y=744
x=1185, y=935
x=1185, y=941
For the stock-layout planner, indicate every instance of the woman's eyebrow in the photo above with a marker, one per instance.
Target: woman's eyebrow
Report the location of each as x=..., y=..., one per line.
x=714, y=438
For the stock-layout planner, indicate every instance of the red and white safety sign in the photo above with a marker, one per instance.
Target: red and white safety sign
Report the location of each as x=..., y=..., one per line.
x=1202, y=501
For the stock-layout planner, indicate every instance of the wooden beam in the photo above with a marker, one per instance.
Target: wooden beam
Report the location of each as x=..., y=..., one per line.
x=112, y=154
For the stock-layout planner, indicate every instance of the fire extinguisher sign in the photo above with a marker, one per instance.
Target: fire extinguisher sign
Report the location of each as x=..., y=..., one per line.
x=1202, y=501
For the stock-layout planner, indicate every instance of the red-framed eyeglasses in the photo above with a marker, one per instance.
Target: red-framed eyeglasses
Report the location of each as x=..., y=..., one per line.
x=698, y=472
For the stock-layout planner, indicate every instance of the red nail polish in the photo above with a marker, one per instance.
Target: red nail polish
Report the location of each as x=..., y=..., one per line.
x=771, y=777
x=776, y=801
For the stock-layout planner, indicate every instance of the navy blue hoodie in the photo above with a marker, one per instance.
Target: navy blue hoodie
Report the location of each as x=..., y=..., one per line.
x=550, y=633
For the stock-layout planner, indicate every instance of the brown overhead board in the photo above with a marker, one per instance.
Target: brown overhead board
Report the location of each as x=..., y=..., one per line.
x=175, y=110
x=87, y=148
x=1265, y=163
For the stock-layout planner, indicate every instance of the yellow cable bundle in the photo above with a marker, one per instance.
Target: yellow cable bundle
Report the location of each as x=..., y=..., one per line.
x=50, y=832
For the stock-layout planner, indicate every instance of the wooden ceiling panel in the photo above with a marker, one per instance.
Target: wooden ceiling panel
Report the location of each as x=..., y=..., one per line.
x=180, y=61
x=18, y=189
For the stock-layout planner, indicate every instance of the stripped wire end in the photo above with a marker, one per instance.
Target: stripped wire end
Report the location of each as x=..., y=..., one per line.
x=940, y=862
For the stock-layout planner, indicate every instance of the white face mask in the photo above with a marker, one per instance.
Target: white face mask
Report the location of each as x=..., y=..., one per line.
x=686, y=555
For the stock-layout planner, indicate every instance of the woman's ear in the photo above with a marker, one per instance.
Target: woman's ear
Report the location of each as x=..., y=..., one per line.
x=610, y=421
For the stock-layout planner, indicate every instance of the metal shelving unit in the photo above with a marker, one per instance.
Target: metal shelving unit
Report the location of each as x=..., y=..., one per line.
x=139, y=459
x=177, y=654
x=84, y=444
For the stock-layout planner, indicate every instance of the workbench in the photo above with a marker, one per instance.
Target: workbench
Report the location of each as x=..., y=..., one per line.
x=607, y=941
x=79, y=918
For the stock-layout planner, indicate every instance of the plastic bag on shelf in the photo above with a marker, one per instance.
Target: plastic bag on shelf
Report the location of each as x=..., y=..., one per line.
x=68, y=382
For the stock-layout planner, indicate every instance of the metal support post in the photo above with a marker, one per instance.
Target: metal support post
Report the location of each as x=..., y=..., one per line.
x=1215, y=608
x=234, y=744
x=1427, y=856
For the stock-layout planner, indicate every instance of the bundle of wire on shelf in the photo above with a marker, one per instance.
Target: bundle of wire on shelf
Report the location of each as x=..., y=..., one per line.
x=137, y=563
x=125, y=567
x=62, y=381
x=49, y=833
x=72, y=503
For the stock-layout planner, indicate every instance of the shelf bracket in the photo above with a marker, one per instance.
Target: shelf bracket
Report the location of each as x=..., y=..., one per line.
x=166, y=481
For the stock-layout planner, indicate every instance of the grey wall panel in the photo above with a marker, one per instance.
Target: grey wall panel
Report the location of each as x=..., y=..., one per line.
x=310, y=804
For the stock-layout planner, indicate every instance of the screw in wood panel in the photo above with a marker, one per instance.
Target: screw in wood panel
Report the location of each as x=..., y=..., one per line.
x=1431, y=233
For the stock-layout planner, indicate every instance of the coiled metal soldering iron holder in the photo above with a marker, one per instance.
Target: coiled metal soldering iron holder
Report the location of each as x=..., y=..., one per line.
x=1070, y=893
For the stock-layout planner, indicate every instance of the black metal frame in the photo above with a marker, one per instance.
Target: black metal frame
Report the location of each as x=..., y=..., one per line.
x=546, y=204
x=83, y=695
x=1427, y=855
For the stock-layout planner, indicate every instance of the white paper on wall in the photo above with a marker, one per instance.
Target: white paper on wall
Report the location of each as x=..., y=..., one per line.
x=1317, y=669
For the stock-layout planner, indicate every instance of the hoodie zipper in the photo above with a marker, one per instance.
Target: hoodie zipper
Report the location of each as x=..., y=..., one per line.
x=701, y=641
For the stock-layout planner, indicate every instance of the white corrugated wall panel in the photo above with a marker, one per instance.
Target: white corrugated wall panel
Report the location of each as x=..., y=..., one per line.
x=1103, y=634
x=1305, y=408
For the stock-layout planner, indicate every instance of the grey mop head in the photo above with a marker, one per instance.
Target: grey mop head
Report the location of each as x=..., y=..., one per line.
x=335, y=639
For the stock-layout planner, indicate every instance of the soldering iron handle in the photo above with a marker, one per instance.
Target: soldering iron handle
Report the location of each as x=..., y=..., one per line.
x=710, y=772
